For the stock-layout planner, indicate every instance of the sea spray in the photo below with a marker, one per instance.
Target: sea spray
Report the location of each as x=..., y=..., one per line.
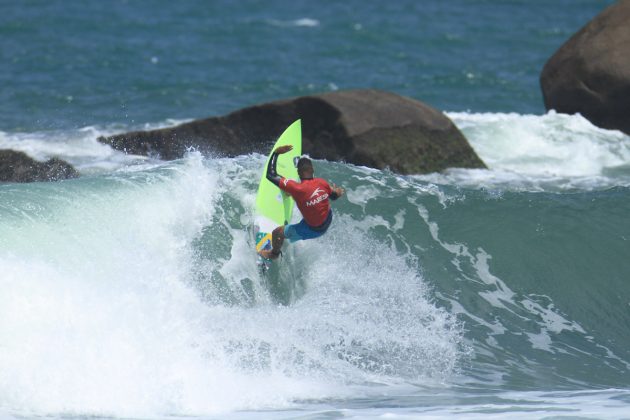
x=107, y=306
x=541, y=152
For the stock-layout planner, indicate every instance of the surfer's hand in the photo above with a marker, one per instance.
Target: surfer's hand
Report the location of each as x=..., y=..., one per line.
x=338, y=190
x=283, y=149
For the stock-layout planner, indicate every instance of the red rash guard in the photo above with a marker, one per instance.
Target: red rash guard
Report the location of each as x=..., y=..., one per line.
x=311, y=197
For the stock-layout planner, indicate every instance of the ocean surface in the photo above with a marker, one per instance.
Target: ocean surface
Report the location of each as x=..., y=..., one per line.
x=132, y=291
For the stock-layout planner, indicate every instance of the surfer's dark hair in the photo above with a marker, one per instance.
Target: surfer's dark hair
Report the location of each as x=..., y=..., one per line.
x=304, y=164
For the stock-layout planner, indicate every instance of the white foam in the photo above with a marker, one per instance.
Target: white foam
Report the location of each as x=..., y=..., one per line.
x=362, y=194
x=551, y=144
x=97, y=316
x=539, y=151
x=301, y=22
x=80, y=147
x=306, y=22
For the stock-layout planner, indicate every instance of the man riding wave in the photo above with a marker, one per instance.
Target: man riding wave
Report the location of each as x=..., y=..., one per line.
x=312, y=197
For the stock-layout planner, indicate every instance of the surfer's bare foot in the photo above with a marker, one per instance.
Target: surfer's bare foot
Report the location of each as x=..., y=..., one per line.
x=269, y=254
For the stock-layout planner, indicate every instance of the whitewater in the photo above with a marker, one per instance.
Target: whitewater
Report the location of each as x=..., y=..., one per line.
x=133, y=292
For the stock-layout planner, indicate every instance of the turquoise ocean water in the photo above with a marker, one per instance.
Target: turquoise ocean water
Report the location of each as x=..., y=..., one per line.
x=132, y=292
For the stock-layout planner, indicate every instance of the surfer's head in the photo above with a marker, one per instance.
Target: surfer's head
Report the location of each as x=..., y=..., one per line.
x=305, y=168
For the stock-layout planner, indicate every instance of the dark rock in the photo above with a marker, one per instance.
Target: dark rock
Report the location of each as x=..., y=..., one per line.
x=18, y=167
x=364, y=127
x=590, y=73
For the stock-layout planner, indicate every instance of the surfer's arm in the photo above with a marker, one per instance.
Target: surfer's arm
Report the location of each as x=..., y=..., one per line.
x=272, y=173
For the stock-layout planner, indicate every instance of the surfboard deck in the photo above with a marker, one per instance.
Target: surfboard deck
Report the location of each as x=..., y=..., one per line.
x=273, y=207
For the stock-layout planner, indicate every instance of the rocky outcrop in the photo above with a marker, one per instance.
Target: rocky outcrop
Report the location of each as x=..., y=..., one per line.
x=590, y=73
x=364, y=127
x=18, y=167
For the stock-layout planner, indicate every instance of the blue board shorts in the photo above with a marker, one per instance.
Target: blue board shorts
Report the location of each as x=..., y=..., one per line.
x=302, y=230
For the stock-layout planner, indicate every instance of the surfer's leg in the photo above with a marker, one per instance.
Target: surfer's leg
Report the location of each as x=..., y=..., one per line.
x=293, y=233
x=277, y=239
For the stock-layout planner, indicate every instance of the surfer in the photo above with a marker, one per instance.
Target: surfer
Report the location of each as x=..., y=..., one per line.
x=312, y=197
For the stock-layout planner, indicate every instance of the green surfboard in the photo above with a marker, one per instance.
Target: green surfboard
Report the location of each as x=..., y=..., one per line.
x=274, y=207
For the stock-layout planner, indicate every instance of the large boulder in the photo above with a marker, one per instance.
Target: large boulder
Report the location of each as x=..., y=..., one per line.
x=590, y=73
x=18, y=167
x=364, y=127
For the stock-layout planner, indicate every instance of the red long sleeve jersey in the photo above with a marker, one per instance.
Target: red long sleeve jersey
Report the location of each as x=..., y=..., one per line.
x=311, y=197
